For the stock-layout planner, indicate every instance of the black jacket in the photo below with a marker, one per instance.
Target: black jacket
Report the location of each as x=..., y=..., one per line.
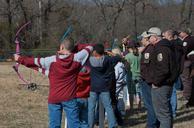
x=188, y=44
x=179, y=53
x=163, y=64
x=145, y=63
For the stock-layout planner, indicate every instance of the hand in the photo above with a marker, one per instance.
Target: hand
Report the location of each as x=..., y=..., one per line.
x=154, y=86
x=192, y=73
x=124, y=40
x=109, y=53
x=16, y=57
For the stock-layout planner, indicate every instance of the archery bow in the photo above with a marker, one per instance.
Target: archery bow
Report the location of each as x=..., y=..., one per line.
x=30, y=85
x=66, y=33
x=70, y=28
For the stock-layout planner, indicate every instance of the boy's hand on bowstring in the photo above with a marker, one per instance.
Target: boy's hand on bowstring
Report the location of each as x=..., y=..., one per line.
x=16, y=57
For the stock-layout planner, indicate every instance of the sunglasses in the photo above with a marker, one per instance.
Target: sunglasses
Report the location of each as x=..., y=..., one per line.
x=150, y=33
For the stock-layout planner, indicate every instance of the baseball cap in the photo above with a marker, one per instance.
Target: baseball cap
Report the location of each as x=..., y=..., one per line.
x=186, y=30
x=154, y=31
x=144, y=35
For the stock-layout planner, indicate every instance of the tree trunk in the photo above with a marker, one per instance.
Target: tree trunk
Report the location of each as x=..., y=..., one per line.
x=46, y=22
x=182, y=12
x=135, y=18
x=189, y=13
x=9, y=18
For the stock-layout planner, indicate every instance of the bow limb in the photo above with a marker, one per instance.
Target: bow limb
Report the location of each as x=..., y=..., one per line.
x=69, y=30
x=21, y=28
x=17, y=42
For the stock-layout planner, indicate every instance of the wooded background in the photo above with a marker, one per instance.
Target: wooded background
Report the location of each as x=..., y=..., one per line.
x=92, y=20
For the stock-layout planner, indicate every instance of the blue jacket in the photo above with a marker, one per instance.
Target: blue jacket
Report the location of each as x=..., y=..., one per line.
x=102, y=72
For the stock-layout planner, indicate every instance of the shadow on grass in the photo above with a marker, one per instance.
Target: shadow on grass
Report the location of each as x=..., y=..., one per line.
x=186, y=114
x=135, y=117
x=185, y=111
x=184, y=118
x=135, y=121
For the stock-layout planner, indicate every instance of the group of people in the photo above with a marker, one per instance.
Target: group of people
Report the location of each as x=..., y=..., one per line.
x=82, y=75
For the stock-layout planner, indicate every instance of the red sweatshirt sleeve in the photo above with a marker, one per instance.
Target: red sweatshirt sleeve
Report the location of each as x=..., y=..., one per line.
x=27, y=61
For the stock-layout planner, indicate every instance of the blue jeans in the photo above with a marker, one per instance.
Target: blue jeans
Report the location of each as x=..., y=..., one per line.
x=121, y=106
x=126, y=95
x=106, y=101
x=173, y=101
x=152, y=121
x=83, y=112
x=96, y=116
x=178, y=84
x=161, y=103
x=71, y=111
x=119, y=111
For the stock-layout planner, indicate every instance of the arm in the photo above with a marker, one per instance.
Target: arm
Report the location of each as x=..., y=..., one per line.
x=31, y=62
x=83, y=55
x=80, y=47
x=127, y=63
x=117, y=73
x=191, y=58
x=120, y=73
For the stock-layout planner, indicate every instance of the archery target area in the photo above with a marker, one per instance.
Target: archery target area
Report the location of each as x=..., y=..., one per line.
x=24, y=108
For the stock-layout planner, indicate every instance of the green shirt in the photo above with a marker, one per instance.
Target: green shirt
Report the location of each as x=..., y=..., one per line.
x=134, y=62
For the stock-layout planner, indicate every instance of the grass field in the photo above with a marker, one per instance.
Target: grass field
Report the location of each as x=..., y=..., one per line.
x=22, y=108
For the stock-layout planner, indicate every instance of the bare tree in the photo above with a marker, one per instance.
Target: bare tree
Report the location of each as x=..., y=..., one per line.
x=134, y=4
x=186, y=12
x=8, y=12
x=110, y=12
x=190, y=11
x=103, y=19
x=23, y=9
